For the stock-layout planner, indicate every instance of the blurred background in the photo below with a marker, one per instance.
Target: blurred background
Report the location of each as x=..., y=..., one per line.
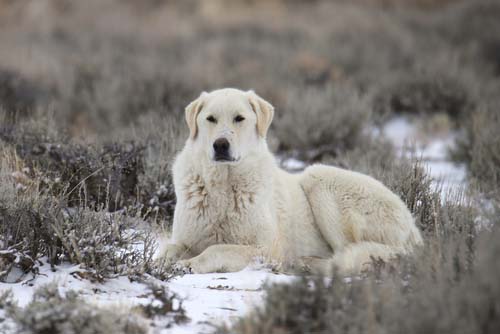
x=96, y=89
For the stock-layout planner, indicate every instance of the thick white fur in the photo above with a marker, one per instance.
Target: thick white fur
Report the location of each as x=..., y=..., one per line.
x=229, y=213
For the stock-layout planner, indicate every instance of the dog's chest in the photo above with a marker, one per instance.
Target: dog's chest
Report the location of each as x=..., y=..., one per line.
x=224, y=211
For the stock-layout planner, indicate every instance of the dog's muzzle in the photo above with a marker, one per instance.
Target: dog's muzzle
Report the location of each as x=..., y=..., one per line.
x=221, y=149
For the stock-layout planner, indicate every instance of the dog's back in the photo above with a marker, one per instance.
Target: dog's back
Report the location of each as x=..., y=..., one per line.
x=350, y=209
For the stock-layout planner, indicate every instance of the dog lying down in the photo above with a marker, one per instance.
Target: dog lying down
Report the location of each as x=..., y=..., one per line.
x=235, y=204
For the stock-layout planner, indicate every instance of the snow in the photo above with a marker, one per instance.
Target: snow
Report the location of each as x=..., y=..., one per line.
x=209, y=299
x=432, y=150
x=218, y=298
x=292, y=164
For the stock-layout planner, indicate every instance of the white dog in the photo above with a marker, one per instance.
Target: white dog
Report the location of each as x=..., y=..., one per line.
x=234, y=203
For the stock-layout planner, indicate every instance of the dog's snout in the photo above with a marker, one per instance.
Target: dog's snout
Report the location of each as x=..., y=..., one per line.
x=221, y=146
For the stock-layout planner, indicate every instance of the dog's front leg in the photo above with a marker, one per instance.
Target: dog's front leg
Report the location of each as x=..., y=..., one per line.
x=174, y=252
x=220, y=258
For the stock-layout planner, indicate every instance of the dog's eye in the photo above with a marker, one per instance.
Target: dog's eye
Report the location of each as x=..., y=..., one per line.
x=211, y=119
x=239, y=118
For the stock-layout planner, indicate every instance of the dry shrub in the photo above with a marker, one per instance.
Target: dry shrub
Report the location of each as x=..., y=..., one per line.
x=51, y=311
x=329, y=119
x=131, y=170
x=17, y=95
x=162, y=138
x=7, y=303
x=426, y=93
x=84, y=174
x=106, y=245
x=35, y=224
x=471, y=26
x=479, y=147
x=164, y=303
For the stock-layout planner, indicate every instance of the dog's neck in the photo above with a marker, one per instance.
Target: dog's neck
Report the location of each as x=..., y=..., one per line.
x=257, y=166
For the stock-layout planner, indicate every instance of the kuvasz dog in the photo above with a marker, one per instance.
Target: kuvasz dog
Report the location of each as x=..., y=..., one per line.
x=235, y=204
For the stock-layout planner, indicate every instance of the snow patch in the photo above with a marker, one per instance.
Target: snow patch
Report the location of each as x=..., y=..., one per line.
x=433, y=151
x=292, y=164
x=209, y=299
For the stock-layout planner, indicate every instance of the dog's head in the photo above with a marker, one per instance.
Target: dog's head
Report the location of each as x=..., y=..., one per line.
x=228, y=123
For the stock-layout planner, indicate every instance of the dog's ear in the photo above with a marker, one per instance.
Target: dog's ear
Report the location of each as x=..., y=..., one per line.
x=192, y=111
x=264, y=111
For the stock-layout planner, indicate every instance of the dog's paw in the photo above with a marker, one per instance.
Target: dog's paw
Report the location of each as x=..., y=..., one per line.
x=315, y=265
x=182, y=268
x=162, y=262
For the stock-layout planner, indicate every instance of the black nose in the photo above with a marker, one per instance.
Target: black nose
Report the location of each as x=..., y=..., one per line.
x=221, y=146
